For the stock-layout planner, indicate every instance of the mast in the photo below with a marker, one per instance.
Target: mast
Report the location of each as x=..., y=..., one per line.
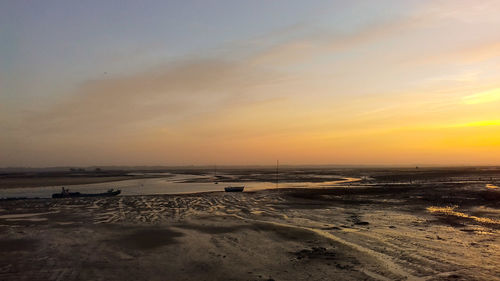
x=215, y=174
x=277, y=165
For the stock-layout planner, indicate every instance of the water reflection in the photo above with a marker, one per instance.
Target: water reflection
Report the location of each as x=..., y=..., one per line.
x=173, y=184
x=451, y=211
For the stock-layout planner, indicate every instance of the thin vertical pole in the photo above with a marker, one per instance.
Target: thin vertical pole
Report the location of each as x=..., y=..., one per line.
x=277, y=165
x=215, y=173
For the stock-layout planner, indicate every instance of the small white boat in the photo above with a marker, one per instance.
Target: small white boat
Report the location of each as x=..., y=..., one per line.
x=234, y=188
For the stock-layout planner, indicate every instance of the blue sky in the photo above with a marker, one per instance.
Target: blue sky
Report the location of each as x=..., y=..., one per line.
x=73, y=40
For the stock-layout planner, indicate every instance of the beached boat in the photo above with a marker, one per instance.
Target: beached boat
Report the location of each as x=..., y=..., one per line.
x=234, y=188
x=66, y=194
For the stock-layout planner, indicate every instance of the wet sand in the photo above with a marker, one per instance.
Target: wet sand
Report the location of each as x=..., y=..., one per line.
x=355, y=232
x=11, y=180
x=16, y=182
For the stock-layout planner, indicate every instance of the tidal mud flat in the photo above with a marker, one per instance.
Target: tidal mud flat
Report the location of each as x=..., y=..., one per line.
x=370, y=230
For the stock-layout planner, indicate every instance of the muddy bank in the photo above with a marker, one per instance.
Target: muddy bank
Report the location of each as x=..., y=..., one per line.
x=350, y=233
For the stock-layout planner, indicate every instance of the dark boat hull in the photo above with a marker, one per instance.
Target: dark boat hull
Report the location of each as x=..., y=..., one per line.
x=78, y=194
x=234, y=188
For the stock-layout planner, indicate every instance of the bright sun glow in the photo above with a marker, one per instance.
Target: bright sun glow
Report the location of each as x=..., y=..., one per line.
x=480, y=123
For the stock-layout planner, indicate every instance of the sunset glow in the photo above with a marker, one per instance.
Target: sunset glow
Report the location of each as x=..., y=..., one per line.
x=484, y=97
x=324, y=82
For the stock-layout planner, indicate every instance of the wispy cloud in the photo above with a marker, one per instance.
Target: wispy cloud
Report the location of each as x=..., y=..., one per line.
x=163, y=94
x=483, y=97
x=321, y=42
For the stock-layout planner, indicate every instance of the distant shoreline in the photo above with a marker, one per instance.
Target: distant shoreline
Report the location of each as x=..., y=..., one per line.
x=27, y=182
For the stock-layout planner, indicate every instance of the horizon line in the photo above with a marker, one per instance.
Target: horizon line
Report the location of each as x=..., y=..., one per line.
x=260, y=165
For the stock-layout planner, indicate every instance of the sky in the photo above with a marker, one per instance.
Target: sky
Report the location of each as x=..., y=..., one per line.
x=230, y=82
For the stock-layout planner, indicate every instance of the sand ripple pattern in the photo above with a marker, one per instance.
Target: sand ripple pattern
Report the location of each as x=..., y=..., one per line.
x=408, y=245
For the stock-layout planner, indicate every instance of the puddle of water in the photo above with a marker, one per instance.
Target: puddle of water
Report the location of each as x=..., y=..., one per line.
x=28, y=219
x=15, y=216
x=450, y=211
x=28, y=216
